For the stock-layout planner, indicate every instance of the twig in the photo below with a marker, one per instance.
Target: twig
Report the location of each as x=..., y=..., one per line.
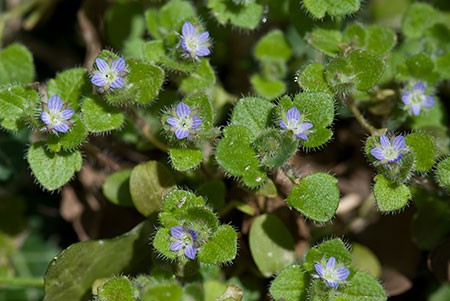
x=96, y=152
x=37, y=282
x=90, y=38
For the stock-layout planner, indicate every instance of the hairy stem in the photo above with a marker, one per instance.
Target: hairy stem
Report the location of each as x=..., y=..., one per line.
x=362, y=121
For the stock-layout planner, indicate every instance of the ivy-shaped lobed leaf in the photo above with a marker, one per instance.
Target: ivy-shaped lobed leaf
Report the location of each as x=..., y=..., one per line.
x=390, y=196
x=199, y=80
x=99, y=116
x=316, y=196
x=52, y=170
x=312, y=79
x=319, y=8
x=423, y=148
x=16, y=65
x=17, y=106
x=245, y=16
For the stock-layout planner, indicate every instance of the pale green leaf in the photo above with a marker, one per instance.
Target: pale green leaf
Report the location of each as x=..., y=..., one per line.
x=221, y=246
x=253, y=113
x=184, y=159
x=16, y=65
x=390, y=196
x=117, y=188
x=245, y=16
x=272, y=46
x=99, y=116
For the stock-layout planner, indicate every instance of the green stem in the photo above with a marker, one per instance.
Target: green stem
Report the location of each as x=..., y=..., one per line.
x=147, y=132
x=362, y=121
x=37, y=282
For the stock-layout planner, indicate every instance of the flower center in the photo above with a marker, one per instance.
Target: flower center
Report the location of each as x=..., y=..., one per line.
x=185, y=123
x=390, y=153
x=192, y=43
x=416, y=98
x=55, y=118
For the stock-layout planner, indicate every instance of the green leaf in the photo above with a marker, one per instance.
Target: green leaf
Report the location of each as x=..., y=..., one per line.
x=214, y=193
x=16, y=65
x=71, y=139
x=141, y=85
x=390, y=196
x=271, y=244
x=201, y=219
x=15, y=102
x=253, y=113
x=326, y=41
x=236, y=156
x=359, y=68
x=99, y=116
x=273, y=46
x=71, y=85
x=318, y=137
x=162, y=292
x=333, y=247
x=419, y=66
x=275, y=148
x=312, y=79
x=355, y=35
x=162, y=243
x=318, y=8
x=443, y=65
x=443, y=173
x=316, y=196
x=184, y=159
x=418, y=18
x=364, y=259
x=318, y=107
x=199, y=80
x=71, y=273
x=290, y=284
x=148, y=183
x=117, y=188
x=53, y=170
x=380, y=39
x=423, y=148
x=362, y=286
x=117, y=289
x=154, y=51
x=174, y=13
x=221, y=246
x=270, y=89
x=134, y=48
x=178, y=200
x=244, y=16
x=151, y=19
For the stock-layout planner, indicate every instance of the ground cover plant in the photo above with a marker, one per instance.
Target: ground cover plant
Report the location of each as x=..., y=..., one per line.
x=224, y=150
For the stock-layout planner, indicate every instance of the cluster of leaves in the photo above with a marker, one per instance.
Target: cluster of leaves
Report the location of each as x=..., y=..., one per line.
x=358, y=67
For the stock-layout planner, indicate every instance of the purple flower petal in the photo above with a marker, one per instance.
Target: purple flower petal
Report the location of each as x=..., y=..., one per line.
x=398, y=143
x=293, y=115
x=181, y=133
x=203, y=37
x=67, y=114
x=378, y=153
x=319, y=269
x=45, y=117
x=193, y=235
x=102, y=65
x=177, y=245
x=183, y=44
x=415, y=109
x=283, y=125
x=396, y=159
x=55, y=103
x=117, y=83
x=304, y=126
x=202, y=51
x=406, y=97
x=183, y=110
x=342, y=273
x=428, y=101
x=196, y=122
x=302, y=136
x=190, y=251
x=331, y=263
x=331, y=283
x=419, y=87
x=172, y=121
x=177, y=232
x=385, y=143
x=118, y=66
x=98, y=79
x=62, y=127
x=188, y=30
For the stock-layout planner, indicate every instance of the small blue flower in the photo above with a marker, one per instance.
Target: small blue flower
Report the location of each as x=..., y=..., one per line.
x=194, y=42
x=416, y=99
x=387, y=152
x=184, y=240
x=332, y=275
x=294, y=123
x=56, y=115
x=109, y=75
x=184, y=121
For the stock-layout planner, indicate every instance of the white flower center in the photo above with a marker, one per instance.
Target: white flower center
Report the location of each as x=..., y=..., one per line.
x=185, y=123
x=55, y=118
x=192, y=44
